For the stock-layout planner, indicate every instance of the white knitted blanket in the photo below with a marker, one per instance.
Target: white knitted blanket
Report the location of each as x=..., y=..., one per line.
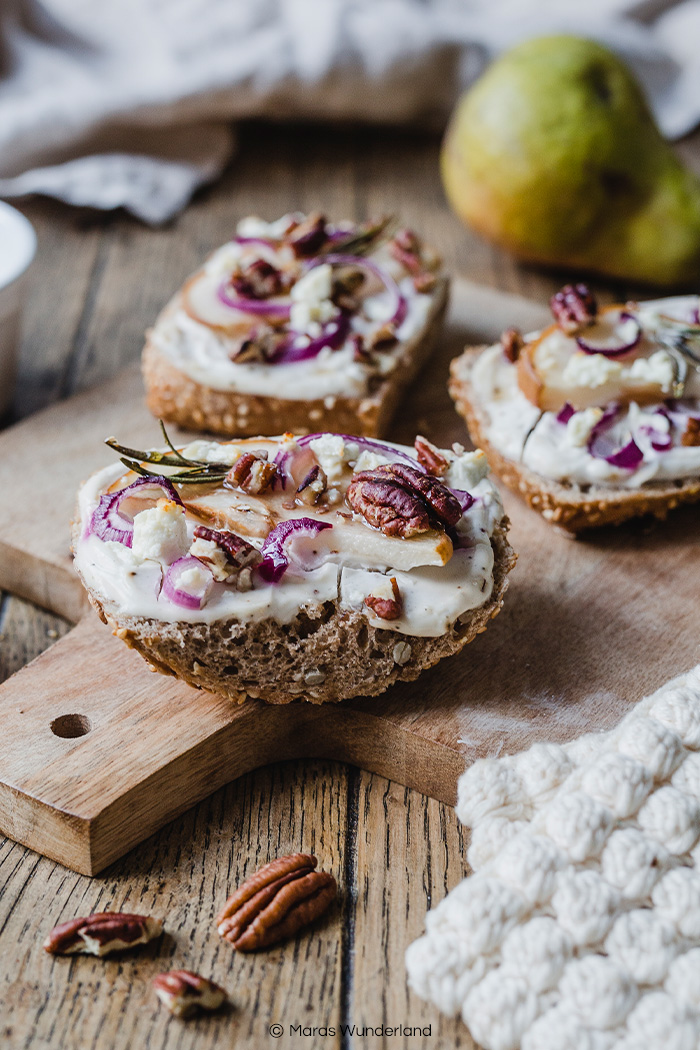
x=580, y=929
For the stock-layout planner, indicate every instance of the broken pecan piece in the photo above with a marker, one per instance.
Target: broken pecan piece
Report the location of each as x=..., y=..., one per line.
x=313, y=486
x=574, y=307
x=252, y=473
x=224, y=552
x=383, y=337
x=261, y=345
x=258, y=280
x=512, y=342
x=430, y=457
x=691, y=434
x=424, y=282
x=386, y=608
x=184, y=992
x=276, y=902
x=308, y=236
x=102, y=933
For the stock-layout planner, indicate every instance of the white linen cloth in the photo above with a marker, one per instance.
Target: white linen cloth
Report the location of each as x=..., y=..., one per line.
x=130, y=102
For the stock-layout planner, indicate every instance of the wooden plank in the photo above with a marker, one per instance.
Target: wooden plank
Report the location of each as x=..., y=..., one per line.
x=410, y=854
x=182, y=875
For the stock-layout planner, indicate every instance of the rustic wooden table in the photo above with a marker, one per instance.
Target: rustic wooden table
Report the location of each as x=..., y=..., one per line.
x=96, y=285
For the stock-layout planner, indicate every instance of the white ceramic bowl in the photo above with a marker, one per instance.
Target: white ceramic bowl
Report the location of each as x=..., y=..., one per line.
x=17, y=248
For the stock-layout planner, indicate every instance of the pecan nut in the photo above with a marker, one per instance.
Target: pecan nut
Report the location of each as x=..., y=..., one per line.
x=184, y=992
x=383, y=338
x=691, y=434
x=224, y=552
x=574, y=307
x=259, y=280
x=274, y=903
x=252, y=473
x=512, y=342
x=430, y=457
x=102, y=933
x=386, y=608
x=402, y=501
x=313, y=486
x=309, y=235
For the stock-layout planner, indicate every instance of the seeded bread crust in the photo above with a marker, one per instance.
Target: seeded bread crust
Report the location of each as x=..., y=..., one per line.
x=573, y=508
x=325, y=655
x=175, y=397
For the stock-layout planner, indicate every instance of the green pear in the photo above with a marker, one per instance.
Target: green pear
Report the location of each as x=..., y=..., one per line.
x=554, y=154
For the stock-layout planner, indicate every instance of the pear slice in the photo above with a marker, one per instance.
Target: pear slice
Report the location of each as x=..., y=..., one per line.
x=359, y=544
x=553, y=370
x=233, y=511
x=201, y=302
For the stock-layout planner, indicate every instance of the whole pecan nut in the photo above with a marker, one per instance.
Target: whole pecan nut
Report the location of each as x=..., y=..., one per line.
x=252, y=472
x=574, y=307
x=430, y=457
x=184, y=992
x=274, y=903
x=102, y=933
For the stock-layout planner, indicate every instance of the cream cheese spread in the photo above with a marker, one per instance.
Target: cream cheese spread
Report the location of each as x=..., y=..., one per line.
x=344, y=563
x=205, y=351
x=559, y=449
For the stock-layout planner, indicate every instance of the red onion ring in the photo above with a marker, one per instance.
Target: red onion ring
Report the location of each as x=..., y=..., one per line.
x=400, y=304
x=618, y=351
x=333, y=335
x=259, y=307
x=275, y=559
x=173, y=593
x=108, y=522
x=628, y=457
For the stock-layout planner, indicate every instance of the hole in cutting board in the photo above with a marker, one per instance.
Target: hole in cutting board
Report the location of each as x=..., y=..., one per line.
x=68, y=726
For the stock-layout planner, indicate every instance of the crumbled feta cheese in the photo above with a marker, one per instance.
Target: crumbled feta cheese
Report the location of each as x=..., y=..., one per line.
x=369, y=460
x=547, y=356
x=254, y=226
x=214, y=557
x=466, y=469
x=381, y=587
x=580, y=425
x=311, y=302
x=160, y=533
x=194, y=580
x=212, y=452
x=329, y=450
x=657, y=369
x=591, y=370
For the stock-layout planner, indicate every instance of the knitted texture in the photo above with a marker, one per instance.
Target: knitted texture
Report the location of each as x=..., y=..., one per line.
x=580, y=927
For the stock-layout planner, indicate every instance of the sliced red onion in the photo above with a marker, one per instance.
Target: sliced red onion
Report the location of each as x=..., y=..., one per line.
x=333, y=335
x=566, y=413
x=261, y=307
x=400, y=305
x=275, y=559
x=622, y=347
x=628, y=457
x=266, y=242
x=465, y=498
x=174, y=593
x=109, y=523
x=367, y=445
x=659, y=441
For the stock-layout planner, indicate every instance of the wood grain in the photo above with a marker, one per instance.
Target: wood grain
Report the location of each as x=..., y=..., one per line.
x=355, y=171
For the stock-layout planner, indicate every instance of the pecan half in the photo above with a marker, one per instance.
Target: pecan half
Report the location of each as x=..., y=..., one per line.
x=402, y=501
x=252, y=473
x=185, y=993
x=386, y=608
x=691, y=434
x=512, y=342
x=430, y=457
x=309, y=235
x=574, y=307
x=258, y=280
x=313, y=486
x=276, y=902
x=224, y=552
x=102, y=933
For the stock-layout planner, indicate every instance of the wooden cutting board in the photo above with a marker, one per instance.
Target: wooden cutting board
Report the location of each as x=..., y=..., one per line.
x=97, y=752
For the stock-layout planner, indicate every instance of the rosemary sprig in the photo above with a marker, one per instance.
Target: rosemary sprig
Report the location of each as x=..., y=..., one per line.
x=189, y=472
x=366, y=237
